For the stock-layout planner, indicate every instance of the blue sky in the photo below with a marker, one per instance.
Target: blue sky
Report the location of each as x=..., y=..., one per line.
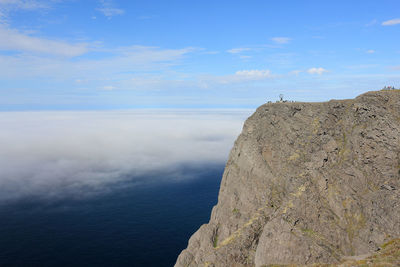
x=102, y=54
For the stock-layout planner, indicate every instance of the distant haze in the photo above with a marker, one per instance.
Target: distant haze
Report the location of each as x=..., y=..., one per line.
x=50, y=154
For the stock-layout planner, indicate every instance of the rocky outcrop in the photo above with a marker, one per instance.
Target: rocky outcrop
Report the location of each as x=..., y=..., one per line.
x=307, y=183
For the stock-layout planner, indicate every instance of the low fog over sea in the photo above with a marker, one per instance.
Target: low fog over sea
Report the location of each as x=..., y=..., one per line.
x=109, y=187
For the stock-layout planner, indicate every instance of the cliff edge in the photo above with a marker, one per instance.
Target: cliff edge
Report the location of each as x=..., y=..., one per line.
x=307, y=183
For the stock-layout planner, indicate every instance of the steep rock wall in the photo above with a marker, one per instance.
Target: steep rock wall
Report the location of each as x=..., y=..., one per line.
x=307, y=183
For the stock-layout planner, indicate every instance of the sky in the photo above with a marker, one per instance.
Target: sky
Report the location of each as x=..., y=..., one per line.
x=110, y=54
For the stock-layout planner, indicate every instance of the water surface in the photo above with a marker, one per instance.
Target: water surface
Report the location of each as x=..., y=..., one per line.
x=133, y=224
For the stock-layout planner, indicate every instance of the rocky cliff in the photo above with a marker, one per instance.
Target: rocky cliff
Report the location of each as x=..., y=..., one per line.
x=307, y=183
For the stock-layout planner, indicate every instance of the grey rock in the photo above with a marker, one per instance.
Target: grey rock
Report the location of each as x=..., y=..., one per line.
x=307, y=183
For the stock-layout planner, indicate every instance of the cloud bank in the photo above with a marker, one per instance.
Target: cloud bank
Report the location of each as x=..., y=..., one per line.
x=51, y=154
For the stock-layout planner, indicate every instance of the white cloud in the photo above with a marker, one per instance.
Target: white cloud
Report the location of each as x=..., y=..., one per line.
x=391, y=22
x=238, y=50
x=7, y=6
x=370, y=51
x=241, y=76
x=24, y=4
x=153, y=53
x=13, y=40
x=245, y=57
x=56, y=153
x=108, y=9
x=164, y=82
x=118, y=63
x=110, y=12
x=318, y=71
x=281, y=40
x=254, y=74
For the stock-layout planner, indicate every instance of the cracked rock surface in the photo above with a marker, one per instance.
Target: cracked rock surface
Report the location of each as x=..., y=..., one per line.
x=307, y=183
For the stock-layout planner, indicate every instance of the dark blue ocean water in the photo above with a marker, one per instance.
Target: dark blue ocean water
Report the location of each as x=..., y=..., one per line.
x=133, y=224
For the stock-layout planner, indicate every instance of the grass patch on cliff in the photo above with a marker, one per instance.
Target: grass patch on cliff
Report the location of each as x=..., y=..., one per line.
x=308, y=231
x=215, y=241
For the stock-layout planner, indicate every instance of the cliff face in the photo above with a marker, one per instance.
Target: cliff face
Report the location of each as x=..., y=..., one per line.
x=307, y=183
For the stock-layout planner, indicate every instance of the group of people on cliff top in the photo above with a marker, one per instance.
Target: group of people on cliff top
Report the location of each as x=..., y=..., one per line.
x=389, y=88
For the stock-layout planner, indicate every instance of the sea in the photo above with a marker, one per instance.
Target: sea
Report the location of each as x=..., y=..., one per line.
x=130, y=225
